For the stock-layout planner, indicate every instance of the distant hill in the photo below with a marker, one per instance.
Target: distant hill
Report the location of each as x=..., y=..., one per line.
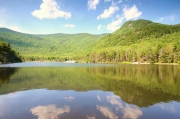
x=136, y=31
x=49, y=47
x=7, y=54
x=139, y=41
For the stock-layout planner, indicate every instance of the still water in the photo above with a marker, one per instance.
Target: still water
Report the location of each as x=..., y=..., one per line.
x=41, y=90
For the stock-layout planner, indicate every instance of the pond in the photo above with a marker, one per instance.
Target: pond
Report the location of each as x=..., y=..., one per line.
x=54, y=90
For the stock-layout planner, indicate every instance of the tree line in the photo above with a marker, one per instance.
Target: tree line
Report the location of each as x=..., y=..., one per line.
x=7, y=54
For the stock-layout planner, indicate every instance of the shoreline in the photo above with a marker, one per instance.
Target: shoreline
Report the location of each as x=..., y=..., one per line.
x=133, y=63
x=154, y=63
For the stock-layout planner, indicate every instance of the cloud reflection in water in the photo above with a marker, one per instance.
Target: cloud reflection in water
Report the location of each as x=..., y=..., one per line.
x=49, y=111
x=129, y=111
x=70, y=98
x=107, y=112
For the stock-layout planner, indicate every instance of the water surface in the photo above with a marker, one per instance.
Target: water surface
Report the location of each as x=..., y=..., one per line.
x=42, y=90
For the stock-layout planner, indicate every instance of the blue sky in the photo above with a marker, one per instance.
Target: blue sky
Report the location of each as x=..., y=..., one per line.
x=83, y=16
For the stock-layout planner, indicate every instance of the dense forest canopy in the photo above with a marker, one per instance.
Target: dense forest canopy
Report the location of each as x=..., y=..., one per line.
x=139, y=41
x=7, y=54
x=136, y=41
x=49, y=47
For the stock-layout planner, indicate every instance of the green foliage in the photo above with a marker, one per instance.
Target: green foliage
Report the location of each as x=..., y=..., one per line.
x=7, y=54
x=136, y=84
x=49, y=47
x=136, y=41
x=139, y=41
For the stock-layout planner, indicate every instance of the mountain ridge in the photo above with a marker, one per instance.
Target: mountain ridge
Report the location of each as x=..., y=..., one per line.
x=133, y=42
x=48, y=47
x=139, y=41
x=8, y=29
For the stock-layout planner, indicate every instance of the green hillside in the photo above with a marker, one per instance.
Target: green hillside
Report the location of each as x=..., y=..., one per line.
x=7, y=54
x=49, y=47
x=139, y=41
x=137, y=31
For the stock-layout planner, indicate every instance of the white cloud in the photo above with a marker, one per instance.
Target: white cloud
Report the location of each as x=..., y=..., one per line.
x=92, y=4
x=131, y=113
x=167, y=18
x=49, y=111
x=118, y=16
x=120, y=1
x=108, y=12
x=106, y=112
x=114, y=3
x=114, y=100
x=168, y=107
x=68, y=25
x=49, y=9
x=107, y=0
x=128, y=13
x=99, y=26
x=114, y=25
x=161, y=19
x=172, y=18
x=131, y=13
x=70, y=98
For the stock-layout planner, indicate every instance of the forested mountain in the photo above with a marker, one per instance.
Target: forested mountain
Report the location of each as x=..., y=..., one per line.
x=49, y=47
x=7, y=54
x=136, y=41
x=139, y=41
